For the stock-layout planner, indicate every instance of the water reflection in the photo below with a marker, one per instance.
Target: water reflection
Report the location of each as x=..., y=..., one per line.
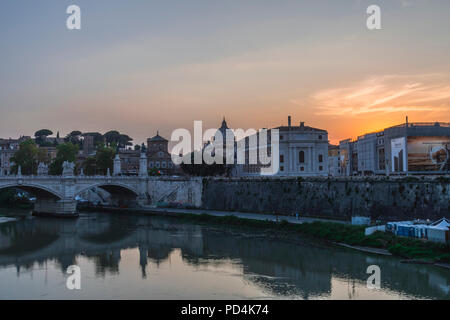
x=271, y=268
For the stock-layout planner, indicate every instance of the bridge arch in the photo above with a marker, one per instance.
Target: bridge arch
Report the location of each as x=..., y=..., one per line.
x=115, y=189
x=39, y=191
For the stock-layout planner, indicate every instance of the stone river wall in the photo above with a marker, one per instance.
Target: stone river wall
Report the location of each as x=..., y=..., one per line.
x=402, y=198
x=381, y=198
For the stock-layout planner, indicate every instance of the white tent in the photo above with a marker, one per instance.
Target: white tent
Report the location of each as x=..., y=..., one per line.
x=443, y=222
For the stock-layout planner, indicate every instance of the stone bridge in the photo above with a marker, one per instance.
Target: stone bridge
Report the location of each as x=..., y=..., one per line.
x=56, y=195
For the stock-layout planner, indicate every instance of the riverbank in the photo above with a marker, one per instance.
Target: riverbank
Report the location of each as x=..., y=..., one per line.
x=288, y=227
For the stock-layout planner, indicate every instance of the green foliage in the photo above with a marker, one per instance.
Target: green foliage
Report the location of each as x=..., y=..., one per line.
x=43, y=156
x=43, y=133
x=341, y=233
x=116, y=138
x=89, y=166
x=154, y=172
x=26, y=157
x=65, y=152
x=75, y=138
x=99, y=164
x=104, y=159
x=99, y=141
x=41, y=136
x=204, y=169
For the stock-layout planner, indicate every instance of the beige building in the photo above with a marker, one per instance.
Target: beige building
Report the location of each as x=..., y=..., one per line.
x=7, y=149
x=303, y=151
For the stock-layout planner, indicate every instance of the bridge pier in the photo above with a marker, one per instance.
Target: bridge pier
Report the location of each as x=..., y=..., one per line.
x=66, y=208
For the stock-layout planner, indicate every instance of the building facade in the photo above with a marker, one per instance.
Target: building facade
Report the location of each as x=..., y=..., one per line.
x=303, y=151
x=129, y=161
x=158, y=156
x=333, y=160
x=408, y=148
x=7, y=149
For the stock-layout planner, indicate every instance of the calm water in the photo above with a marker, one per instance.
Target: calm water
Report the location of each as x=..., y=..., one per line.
x=142, y=257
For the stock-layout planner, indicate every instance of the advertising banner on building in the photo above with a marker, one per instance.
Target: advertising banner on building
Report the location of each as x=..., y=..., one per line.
x=398, y=154
x=430, y=154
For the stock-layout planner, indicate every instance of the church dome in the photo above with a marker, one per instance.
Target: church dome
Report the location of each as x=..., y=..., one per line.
x=156, y=138
x=223, y=131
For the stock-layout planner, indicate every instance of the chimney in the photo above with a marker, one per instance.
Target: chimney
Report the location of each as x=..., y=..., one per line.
x=289, y=121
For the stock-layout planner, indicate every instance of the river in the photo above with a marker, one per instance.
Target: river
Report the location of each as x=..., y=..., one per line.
x=129, y=256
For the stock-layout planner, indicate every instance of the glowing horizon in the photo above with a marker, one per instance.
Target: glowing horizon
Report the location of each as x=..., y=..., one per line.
x=139, y=67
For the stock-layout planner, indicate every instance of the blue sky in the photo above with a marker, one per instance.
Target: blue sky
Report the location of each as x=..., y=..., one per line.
x=139, y=66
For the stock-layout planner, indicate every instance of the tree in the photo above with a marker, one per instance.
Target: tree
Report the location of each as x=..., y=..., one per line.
x=89, y=166
x=99, y=140
x=41, y=136
x=26, y=157
x=43, y=133
x=204, y=169
x=104, y=159
x=154, y=172
x=111, y=137
x=115, y=137
x=65, y=152
x=137, y=147
x=75, y=138
x=125, y=140
x=43, y=156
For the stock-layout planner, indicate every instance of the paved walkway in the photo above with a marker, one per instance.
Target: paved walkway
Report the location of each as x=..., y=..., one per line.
x=245, y=215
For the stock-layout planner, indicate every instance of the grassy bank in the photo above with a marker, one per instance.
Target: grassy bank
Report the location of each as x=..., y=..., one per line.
x=335, y=232
x=408, y=248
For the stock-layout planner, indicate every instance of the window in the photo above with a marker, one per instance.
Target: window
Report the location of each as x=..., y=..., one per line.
x=163, y=164
x=302, y=168
x=281, y=137
x=301, y=157
x=320, y=158
x=320, y=168
x=320, y=137
x=281, y=168
x=157, y=164
x=281, y=158
x=151, y=164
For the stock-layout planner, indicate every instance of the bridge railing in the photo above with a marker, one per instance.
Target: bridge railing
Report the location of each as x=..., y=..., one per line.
x=15, y=176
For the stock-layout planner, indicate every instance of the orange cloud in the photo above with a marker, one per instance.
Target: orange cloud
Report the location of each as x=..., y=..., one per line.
x=389, y=93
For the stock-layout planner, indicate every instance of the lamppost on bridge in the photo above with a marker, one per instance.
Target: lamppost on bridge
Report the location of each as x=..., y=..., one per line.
x=117, y=166
x=143, y=165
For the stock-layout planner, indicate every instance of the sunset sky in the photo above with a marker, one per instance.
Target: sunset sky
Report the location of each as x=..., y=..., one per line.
x=139, y=66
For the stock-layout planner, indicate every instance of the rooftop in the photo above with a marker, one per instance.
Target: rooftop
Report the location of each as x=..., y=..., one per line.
x=156, y=138
x=300, y=128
